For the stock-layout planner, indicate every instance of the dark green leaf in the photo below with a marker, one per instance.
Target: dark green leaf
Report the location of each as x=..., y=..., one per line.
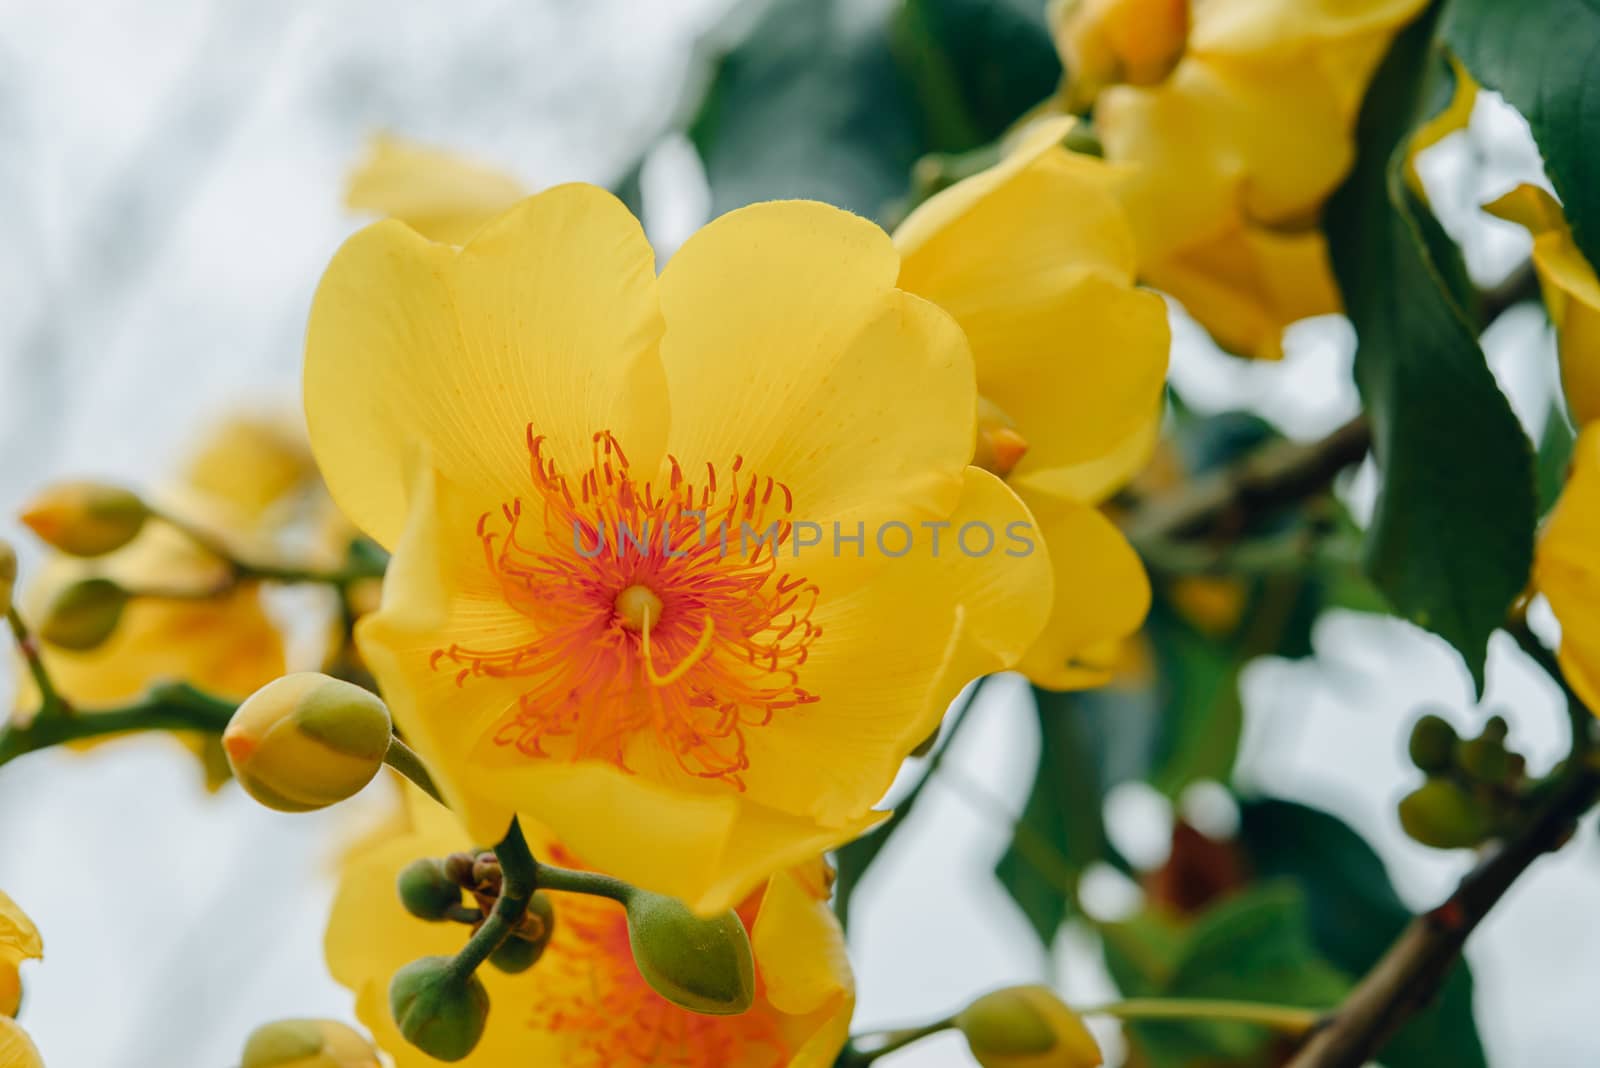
x=1555, y=454
x=1451, y=539
x=1355, y=915
x=1543, y=56
x=809, y=104
x=1061, y=832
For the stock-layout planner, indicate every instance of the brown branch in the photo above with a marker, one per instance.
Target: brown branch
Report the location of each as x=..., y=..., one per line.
x=1410, y=974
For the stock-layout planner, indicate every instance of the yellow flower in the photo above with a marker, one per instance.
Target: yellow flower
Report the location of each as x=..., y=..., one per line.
x=698, y=711
x=19, y=941
x=16, y=1048
x=1566, y=568
x=584, y=1003
x=1238, y=145
x=1035, y=261
x=1571, y=293
x=439, y=195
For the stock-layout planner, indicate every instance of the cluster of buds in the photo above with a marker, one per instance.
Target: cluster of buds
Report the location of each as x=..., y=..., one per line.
x=1475, y=787
x=433, y=890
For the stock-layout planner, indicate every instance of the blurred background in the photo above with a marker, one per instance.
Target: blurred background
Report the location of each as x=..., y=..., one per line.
x=171, y=176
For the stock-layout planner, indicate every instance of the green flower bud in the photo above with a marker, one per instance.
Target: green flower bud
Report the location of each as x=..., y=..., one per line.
x=1027, y=1027
x=84, y=614
x=426, y=891
x=515, y=955
x=1485, y=759
x=527, y=944
x=306, y=741
x=307, y=1044
x=86, y=518
x=1433, y=743
x=1497, y=728
x=702, y=964
x=1445, y=815
x=8, y=575
x=442, y=1016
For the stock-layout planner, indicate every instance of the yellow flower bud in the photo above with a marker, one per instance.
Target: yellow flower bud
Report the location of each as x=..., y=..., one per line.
x=441, y=1016
x=86, y=518
x=1104, y=42
x=307, y=1044
x=8, y=575
x=1444, y=814
x=703, y=964
x=306, y=741
x=82, y=615
x=1027, y=1027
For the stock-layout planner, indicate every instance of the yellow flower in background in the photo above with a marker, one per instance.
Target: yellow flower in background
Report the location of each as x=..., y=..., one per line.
x=19, y=941
x=1566, y=568
x=16, y=1048
x=249, y=479
x=584, y=1002
x=1238, y=145
x=438, y=194
x=1035, y=261
x=1571, y=293
x=713, y=703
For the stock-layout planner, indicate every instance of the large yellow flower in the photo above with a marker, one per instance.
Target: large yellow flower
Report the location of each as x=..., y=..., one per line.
x=249, y=478
x=584, y=1002
x=1571, y=293
x=1035, y=260
x=1566, y=568
x=19, y=941
x=1242, y=128
x=695, y=713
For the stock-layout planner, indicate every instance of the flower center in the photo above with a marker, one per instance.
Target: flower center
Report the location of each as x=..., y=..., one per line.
x=658, y=613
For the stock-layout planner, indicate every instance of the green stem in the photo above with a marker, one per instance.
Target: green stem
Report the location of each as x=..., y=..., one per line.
x=403, y=759
x=51, y=703
x=891, y=1041
x=168, y=708
x=582, y=882
x=517, y=868
x=245, y=570
x=1281, y=1018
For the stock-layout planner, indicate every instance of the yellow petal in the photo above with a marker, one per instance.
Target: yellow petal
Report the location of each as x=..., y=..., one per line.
x=1095, y=480
x=10, y=988
x=442, y=196
x=250, y=463
x=547, y=318
x=1101, y=596
x=1242, y=27
x=19, y=938
x=1571, y=293
x=787, y=344
x=16, y=1048
x=1566, y=569
x=1249, y=283
x=800, y=949
x=1455, y=116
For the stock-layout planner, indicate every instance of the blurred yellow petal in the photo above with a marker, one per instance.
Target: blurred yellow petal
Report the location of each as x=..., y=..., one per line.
x=1101, y=596
x=1240, y=27
x=1566, y=568
x=19, y=938
x=546, y=319
x=250, y=463
x=1571, y=293
x=442, y=196
x=1093, y=481
x=1250, y=283
x=16, y=1048
x=1455, y=116
x=1103, y=42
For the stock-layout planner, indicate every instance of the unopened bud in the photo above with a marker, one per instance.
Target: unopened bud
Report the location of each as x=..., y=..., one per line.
x=439, y=1014
x=307, y=1044
x=8, y=575
x=999, y=447
x=458, y=868
x=1497, y=728
x=1485, y=759
x=426, y=891
x=86, y=518
x=515, y=955
x=1433, y=743
x=1445, y=815
x=527, y=944
x=306, y=741
x=702, y=964
x=82, y=615
x=1027, y=1027
x=486, y=872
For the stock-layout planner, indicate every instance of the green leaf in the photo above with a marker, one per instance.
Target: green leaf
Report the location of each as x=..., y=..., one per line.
x=1061, y=831
x=1254, y=946
x=1555, y=454
x=976, y=64
x=809, y=104
x=1355, y=915
x=1543, y=56
x=1451, y=539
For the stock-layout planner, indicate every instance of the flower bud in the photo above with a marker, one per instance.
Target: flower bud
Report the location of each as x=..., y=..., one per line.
x=8, y=575
x=526, y=945
x=86, y=518
x=1104, y=42
x=442, y=1016
x=82, y=615
x=426, y=891
x=1027, y=1027
x=1433, y=744
x=702, y=964
x=999, y=447
x=307, y=1044
x=306, y=741
x=1485, y=759
x=1445, y=815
